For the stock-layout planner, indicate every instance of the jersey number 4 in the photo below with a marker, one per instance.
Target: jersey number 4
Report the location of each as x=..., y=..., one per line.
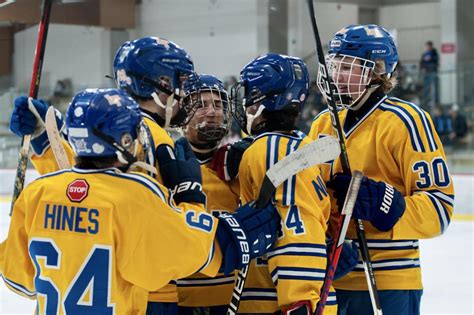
x=88, y=293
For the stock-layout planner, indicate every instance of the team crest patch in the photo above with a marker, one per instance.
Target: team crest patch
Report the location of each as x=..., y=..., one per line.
x=77, y=190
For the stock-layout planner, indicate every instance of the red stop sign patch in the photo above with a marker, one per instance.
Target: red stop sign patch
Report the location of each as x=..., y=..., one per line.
x=77, y=190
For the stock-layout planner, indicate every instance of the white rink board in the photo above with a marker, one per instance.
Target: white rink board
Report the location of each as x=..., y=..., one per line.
x=447, y=262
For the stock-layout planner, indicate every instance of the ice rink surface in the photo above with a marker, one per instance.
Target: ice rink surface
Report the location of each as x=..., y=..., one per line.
x=447, y=262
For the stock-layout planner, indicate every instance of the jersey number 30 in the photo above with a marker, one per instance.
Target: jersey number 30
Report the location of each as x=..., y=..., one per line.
x=88, y=293
x=428, y=173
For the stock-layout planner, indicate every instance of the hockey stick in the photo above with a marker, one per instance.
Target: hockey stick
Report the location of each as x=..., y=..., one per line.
x=33, y=92
x=336, y=249
x=316, y=152
x=328, y=90
x=55, y=139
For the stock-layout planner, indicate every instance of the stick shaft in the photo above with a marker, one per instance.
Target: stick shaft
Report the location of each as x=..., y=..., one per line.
x=33, y=92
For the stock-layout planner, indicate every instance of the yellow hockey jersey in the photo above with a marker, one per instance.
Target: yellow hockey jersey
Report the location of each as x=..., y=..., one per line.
x=98, y=241
x=46, y=164
x=199, y=289
x=294, y=270
x=395, y=142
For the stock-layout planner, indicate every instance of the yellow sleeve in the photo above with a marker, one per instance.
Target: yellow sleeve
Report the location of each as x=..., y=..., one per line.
x=18, y=270
x=429, y=188
x=46, y=163
x=150, y=253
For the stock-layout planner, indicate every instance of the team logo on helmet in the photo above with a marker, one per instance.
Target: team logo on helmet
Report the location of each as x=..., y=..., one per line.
x=77, y=190
x=335, y=43
x=122, y=77
x=81, y=145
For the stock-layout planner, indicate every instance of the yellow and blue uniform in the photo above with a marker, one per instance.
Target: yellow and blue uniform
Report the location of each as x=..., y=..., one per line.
x=199, y=289
x=117, y=232
x=46, y=163
x=295, y=268
x=395, y=142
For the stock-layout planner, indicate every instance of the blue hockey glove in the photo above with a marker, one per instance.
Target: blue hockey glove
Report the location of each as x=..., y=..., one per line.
x=348, y=258
x=23, y=122
x=377, y=202
x=246, y=234
x=181, y=172
x=226, y=159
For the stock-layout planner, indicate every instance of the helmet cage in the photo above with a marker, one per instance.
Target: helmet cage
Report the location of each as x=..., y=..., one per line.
x=197, y=107
x=350, y=77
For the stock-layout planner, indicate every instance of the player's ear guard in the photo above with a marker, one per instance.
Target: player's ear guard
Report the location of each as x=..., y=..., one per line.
x=377, y=202
x=246, y=234
x=181, y=172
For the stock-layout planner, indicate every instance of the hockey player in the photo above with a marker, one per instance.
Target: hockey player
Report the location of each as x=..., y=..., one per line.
x=94, y=239
x=152, y=70
x=266, y=102
x=408, y=193
x=201, y=294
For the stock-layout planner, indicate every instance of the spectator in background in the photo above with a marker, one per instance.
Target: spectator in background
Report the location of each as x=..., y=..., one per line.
x=443, y=124
x=459, y=126
x=429, y=71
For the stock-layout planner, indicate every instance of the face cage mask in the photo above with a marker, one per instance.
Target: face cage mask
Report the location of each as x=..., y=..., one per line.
x=203, y=107
x=350, y=76
x=142, y=156
x=240, y=104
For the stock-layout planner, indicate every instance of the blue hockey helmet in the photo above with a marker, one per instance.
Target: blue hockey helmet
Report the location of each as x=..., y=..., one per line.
x=150, y=64
x=211, y=126
x=357, y=55
x=103, y=123
x=271, y=81
x=370, y=42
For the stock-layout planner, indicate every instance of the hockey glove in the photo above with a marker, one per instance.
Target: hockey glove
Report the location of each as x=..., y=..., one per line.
x=181, y=172
x=377, y=202
x=226, y=159
x=246, y=234
x=24, y=122
x=348, y=258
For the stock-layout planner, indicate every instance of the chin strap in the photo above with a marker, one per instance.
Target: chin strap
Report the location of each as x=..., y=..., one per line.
x=251, y=118
x=170, y=103
x=124, y=156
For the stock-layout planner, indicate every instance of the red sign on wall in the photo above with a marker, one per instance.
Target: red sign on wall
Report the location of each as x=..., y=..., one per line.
x=448, y=48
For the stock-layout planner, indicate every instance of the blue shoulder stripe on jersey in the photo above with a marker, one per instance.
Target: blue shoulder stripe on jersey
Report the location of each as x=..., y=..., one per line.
x=391, y=264
x=259, y=294
x=443, y=214
x=141, y=180
x=289, y=185
x=53, y=174
x=409, y=122
x=298, y=249
x=296, y=135
x=424, y=120
x=297, y=273
x=391, y=244
x=18, y=287
x=446, y=198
